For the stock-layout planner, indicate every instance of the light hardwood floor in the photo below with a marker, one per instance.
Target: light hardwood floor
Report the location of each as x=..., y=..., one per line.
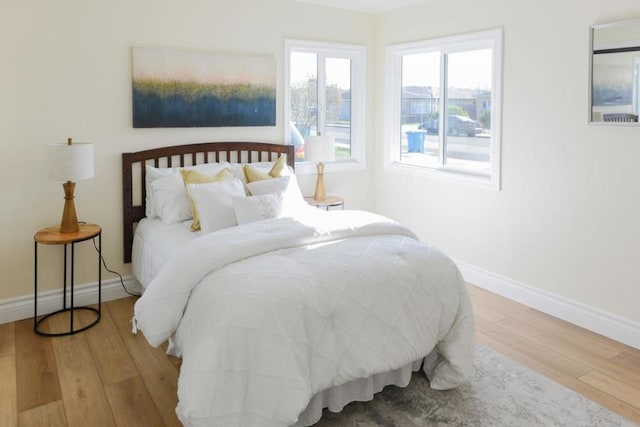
x=106, y=376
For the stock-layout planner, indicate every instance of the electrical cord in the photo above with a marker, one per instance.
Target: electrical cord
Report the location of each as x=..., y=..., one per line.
x=112, y=271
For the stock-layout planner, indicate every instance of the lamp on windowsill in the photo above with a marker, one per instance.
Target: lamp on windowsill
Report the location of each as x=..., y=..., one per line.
x=68, y=163
x=320, y=149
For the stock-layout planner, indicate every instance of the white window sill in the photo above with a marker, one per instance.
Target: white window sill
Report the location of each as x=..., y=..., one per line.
x=445, y=174
x=309, y=168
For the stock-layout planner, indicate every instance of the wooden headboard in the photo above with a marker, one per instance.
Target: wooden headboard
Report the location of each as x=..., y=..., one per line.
x=133, y=171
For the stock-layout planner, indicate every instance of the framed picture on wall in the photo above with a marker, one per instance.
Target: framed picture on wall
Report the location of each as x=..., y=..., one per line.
x=188, y=88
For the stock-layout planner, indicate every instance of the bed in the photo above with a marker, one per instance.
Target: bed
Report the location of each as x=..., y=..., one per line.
x=291, y=309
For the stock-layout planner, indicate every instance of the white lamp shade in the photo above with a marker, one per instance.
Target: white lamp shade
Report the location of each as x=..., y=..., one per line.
x=319, y=148
x=70, y=162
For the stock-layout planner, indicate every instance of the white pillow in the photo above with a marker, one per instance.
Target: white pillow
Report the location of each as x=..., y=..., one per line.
x=153, y=173
x=256, y=208
x=214, y=203
x=170, y=199
x=288, y=185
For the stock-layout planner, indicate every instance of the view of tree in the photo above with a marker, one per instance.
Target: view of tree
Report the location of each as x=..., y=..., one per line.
x=454, y=110
x=304, y=107
x=334, y=103
x=304, y=104
x=485, y=119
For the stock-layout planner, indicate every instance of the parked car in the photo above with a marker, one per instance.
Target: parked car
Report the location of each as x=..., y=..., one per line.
x=431, y=126
x=457, y=125
x=297, y=140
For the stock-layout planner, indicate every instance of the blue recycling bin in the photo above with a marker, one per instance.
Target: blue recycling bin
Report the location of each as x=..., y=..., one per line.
x=415, y=140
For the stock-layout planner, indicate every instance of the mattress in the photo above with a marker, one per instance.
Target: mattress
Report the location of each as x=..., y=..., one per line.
x=154, y=242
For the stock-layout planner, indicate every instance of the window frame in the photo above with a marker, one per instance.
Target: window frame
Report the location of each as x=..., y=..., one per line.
x=357, y=55
x=393, y=106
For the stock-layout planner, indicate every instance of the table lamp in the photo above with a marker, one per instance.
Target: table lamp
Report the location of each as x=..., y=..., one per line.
x=319, y=148
x=68, y=163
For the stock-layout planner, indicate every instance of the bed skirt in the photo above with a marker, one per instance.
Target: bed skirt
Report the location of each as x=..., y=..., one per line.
x=362, y=390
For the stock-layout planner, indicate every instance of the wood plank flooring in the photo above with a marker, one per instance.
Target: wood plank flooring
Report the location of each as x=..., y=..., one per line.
x=106, y=376
x=594, y=366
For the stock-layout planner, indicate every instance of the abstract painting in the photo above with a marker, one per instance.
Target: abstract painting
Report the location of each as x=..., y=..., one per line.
x=188, y=88
x=612, y=80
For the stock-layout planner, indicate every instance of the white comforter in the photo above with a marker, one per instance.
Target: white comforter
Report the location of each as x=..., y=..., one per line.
x=269, y=313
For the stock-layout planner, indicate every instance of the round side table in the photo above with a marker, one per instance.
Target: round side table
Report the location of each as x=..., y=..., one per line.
x=53, y=236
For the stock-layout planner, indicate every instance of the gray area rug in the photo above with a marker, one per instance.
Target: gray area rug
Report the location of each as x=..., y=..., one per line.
x=501, y=393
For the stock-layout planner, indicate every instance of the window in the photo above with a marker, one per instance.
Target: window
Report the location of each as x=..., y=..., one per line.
x=443, y=100
x=324, y=94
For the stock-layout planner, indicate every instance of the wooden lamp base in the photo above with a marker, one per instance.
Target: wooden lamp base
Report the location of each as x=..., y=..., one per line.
x=320, y=193
x=69, y=223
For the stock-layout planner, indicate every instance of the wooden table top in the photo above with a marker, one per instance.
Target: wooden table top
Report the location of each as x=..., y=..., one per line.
x=328, y=201
x=53, y=236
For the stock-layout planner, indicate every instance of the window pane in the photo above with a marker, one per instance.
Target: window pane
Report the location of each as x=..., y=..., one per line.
x=324, y=94
x=419, y=108
x=304, y=97
x=468, y=119
x=338, y=100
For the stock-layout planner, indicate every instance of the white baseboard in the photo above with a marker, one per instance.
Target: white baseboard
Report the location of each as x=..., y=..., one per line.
x=22, y=307
x=593, y=319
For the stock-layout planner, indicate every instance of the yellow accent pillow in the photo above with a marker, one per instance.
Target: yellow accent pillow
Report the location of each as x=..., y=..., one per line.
x=195, y=177
x=278, y=168
x=252, y=174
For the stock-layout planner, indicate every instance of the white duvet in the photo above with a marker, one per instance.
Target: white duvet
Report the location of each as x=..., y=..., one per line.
x=267, y=314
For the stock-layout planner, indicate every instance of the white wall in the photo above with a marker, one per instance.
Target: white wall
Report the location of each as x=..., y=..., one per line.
x=65, y=70
x=567, y=219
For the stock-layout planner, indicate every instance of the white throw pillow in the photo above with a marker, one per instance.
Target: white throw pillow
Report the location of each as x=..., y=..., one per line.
x=170, y=199
x=214, y=203
x=288, y=185
x=153, y=173
x=257, y=208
